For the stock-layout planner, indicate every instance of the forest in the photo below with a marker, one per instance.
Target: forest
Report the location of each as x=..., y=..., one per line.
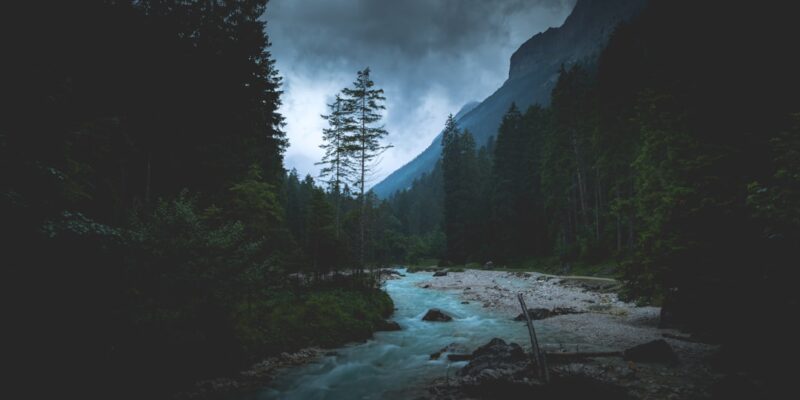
x=665, y=163
x=153, y=237
x=146, y=210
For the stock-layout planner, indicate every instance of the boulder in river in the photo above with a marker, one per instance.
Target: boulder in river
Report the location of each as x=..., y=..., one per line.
x=657, y=351
x=390, y=274
x=436, y=315
x=440, y=273
x=450, y=348
x=388, y=326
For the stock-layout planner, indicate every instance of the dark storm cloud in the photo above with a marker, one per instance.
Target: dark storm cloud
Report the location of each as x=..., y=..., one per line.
x=431, y=57
x=343, y=28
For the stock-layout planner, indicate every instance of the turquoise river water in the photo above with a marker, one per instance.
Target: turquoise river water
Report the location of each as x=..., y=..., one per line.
x=394, y=365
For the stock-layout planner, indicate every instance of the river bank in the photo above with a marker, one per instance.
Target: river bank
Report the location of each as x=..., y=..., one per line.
x=600, y=322
x=415, y=361
x=257, y=375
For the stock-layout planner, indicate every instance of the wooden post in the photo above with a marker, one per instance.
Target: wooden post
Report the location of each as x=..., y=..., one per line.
x=541, y=363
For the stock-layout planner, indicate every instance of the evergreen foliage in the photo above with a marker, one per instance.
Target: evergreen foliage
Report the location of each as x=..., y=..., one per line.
x=675, y=162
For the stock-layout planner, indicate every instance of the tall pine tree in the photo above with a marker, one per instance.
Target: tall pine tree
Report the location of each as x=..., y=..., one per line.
x=338, y=163
x=364, y=104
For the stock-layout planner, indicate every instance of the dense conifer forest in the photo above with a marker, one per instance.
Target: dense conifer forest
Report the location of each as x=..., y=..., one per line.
x=672, y=161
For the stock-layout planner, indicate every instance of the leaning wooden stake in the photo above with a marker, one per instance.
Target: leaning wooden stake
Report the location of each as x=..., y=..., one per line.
x=541, y=363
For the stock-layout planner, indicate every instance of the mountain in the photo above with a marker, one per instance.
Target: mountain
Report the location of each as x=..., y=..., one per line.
x=531, y=77
x=467, y=108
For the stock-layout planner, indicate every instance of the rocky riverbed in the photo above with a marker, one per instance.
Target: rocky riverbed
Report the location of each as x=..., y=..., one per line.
x=439, y=345
x=600, y=319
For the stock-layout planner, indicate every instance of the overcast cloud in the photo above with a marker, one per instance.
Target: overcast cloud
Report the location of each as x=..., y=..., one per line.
x=430, y=56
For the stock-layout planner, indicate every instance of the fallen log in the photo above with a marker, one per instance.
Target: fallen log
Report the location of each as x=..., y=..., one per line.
x=586, y=354
x=683, y=338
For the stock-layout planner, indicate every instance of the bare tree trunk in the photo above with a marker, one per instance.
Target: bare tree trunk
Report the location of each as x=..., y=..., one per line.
x=631, y=222
x=338, y=204
x=597, y=205
x=619, y=225
x=579, y=174
x=147, y=179
x=337, y=183
x=361, y=220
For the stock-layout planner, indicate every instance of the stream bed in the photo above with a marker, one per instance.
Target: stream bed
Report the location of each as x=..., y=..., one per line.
x=396, y=365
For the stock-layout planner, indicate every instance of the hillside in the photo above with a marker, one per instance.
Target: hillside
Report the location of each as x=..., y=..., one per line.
x=532, y=75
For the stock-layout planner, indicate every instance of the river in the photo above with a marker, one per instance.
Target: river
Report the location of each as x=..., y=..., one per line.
x=393, y=365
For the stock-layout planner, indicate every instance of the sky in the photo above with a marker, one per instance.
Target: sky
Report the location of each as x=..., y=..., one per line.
x=430, y=56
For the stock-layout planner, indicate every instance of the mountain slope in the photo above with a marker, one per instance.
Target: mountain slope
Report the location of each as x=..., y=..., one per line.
x=532, y=75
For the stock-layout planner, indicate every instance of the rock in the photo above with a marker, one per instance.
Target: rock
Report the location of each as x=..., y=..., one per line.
x=440, y=273
x=464, y=302
x=390, y=274
x=450, y=348
x=426, y=286
x=535, y=314
x=657, y=351
x=493, y=356
x=388, y=326
x=435, y=315
x=563, y=311
x=488, y=265
x=543, y=313
x=674, y=310
x=459, y=357
x=600, y=307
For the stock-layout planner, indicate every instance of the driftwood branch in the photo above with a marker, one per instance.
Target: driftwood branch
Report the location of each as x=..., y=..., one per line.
x=539, y=358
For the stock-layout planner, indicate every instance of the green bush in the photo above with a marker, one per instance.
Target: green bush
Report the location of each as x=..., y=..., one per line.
x=330, y=316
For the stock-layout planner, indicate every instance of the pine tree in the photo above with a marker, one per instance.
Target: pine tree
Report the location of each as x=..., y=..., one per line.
x=337, y=160
x=321, y=236
x=468, y=196
x=364, y=103
x=460, y=172
x=506, y=193
x=450, y=166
